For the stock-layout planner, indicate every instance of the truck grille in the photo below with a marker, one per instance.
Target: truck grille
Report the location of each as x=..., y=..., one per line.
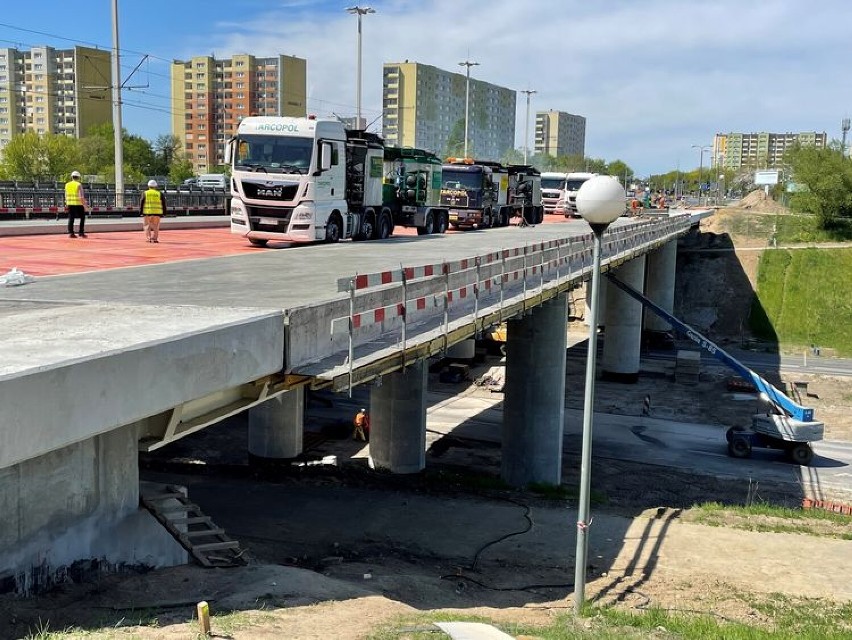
x=263, y=191
x=269, y=219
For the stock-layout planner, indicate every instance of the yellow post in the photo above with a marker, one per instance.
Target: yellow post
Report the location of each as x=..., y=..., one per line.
x=204, y=617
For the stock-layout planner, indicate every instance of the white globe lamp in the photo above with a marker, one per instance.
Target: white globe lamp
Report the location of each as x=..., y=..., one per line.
x=600, y=200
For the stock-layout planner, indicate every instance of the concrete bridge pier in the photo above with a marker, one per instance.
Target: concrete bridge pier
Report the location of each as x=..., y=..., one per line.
x=534, y=405
x=398, y=421
x=276, y=427
x=660, y=285
x=77, y=502
x=623, y=337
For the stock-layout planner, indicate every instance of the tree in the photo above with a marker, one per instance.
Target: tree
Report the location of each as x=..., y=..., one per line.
x=166, y=151
x=30, y=156
x=180, y=169
x=455, y=141
x=98, y=149
x=620, y=170
x=826, y=175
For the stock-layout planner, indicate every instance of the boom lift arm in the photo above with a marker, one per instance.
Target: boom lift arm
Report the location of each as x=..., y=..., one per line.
x=783, y=403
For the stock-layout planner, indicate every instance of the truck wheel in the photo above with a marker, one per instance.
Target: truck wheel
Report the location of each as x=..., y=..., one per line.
x=258, y=243
x=739, y=447
x=384, y=229
x=441, y=227
x=428, y=226
x=730, y=433
x=333, y=229
x=801, y=453
x=539, y=215
x=368, y=226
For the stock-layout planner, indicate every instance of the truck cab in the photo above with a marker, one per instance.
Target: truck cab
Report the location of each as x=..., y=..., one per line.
x=552, y=191
x=573, y=182
x=288, y=179
x=475, y=193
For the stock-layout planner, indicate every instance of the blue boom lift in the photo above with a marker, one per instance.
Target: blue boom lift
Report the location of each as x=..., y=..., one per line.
x=789, y=426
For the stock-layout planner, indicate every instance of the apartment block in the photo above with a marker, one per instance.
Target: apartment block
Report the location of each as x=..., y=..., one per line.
x=560, y=134
x=424, y=107
x=211, y=96
x=47, y=90
x=759, y=150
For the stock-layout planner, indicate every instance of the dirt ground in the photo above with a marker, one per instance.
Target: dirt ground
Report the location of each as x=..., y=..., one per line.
x=340, y=552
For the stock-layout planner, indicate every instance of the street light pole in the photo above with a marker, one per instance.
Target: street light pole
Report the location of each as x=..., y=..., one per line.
x=701, y=149
x=468, y=64
x=600, y=201
x=529, y=92
x=116, y=111
x=359, y=11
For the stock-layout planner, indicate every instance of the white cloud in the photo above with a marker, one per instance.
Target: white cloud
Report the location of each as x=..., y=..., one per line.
x=651, y=77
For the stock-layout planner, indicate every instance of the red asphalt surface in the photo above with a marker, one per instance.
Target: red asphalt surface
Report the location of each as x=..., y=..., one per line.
x=50, y=255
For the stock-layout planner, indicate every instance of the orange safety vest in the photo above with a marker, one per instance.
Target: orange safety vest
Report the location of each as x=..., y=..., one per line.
x=153, y=204
x=72, y=193
x=361, y=419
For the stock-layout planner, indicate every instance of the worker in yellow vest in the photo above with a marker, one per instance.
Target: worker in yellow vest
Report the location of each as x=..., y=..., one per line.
x=75, y=204
x=152, y=207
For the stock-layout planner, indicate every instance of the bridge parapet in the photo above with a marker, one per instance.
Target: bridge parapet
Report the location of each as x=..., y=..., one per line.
x=382, y=321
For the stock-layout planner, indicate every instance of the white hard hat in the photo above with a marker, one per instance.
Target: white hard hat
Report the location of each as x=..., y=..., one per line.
x=152, y=183
x=75, y=174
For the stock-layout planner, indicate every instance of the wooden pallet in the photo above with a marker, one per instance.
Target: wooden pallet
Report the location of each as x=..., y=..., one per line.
x=194, y=531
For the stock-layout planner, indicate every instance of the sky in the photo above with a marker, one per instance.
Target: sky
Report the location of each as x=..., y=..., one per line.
x=652, y=77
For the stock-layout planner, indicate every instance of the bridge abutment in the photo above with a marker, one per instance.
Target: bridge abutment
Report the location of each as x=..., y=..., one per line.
x=276, y=427
x=79, y=502
x=534, y=405
x=398, y=421
x=623, y=321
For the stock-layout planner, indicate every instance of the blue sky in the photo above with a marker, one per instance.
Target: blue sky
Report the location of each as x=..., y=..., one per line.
x=652, y=77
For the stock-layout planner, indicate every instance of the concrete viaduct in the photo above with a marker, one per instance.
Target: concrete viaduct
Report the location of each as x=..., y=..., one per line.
x=95, y=367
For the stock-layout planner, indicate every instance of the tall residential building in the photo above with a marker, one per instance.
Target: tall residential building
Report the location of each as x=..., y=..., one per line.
x=424, y=107
x=211, y=96
x=47, y=90
x=560, y=134
x=759, y=150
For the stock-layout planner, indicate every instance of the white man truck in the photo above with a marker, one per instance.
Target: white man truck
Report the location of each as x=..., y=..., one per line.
x=573, y=182
x=552, y=191
x=308, y=180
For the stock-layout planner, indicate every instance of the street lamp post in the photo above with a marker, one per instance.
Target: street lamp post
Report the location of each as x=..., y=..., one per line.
x=116, y=111
x=359, y=11
x=701, y=149
x=529, y=92
x=468, y=64
x=600, y=201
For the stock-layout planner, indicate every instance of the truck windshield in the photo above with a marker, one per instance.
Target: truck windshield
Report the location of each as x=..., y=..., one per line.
x=576, y=183
x=552, y=183
x=273, y=154
x=461, y=179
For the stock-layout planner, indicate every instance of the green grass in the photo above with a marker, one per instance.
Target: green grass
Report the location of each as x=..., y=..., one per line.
x=788, y=228
x=804, y=295
x=817, y=522
x=786, y=619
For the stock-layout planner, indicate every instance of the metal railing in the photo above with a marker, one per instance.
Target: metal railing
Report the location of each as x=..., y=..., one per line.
x=34, y=198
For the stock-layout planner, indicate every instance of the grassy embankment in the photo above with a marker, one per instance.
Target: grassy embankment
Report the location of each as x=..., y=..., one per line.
x=803, y=295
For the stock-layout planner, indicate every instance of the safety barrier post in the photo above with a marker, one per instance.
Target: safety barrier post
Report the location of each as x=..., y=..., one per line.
x=478, y=262
x=404, y=312
x=502, y=280
x=446, y=269
x=351, y=331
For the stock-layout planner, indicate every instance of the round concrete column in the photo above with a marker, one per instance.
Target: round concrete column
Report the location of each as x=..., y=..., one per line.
x=275, y=427
x=660, y=284
x=534, y=405
x=398, y=421
x=623, y=335
x=601, y=302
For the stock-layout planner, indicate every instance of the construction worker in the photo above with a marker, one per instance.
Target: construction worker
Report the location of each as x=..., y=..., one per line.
x=75, y=204
x=152, y=206
x=362, y=426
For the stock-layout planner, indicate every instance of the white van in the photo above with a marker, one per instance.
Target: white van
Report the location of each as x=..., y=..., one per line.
x=213, y=181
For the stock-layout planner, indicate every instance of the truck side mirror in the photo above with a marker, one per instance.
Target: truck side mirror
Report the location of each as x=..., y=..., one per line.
x=325, y=156
x=229, y=150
